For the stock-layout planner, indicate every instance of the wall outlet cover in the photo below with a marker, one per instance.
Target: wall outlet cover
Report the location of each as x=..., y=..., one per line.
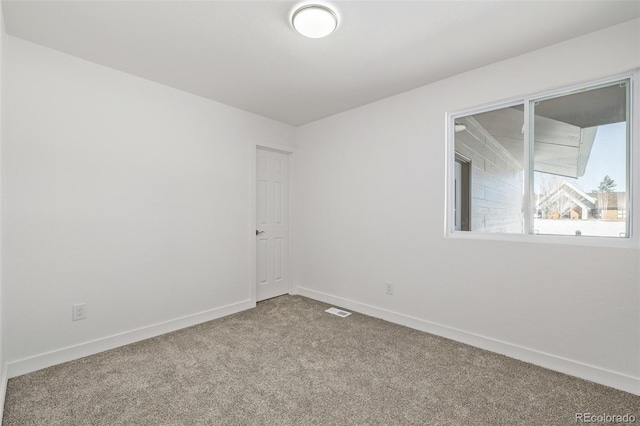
x=78, y=312
x=388, y=287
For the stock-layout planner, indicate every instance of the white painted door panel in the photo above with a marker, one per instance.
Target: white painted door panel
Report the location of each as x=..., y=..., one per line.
x=272, y=213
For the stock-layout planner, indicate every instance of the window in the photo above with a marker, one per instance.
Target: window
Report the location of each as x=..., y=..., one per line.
x=557, y=164
x=494, y=144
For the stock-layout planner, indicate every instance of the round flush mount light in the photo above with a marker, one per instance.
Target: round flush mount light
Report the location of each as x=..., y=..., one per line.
x=314, y=21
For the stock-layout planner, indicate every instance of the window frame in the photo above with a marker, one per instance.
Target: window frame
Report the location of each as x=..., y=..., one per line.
x=633, y=164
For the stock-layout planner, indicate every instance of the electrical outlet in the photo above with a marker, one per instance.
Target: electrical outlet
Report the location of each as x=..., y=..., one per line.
x=388, y=287
x=78, y=312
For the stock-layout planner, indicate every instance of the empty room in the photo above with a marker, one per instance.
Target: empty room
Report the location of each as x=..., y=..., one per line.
x=310, y=213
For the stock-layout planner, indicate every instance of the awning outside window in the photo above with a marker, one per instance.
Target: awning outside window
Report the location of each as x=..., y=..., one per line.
x=564, y=128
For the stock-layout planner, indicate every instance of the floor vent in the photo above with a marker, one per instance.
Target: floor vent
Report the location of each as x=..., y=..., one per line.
x=338, y=312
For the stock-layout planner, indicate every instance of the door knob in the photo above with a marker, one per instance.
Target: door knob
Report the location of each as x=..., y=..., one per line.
x=259, y=232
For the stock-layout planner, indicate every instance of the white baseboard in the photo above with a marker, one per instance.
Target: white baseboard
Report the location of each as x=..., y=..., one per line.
x=4, y=378
x=553, y=362
x=48, y=359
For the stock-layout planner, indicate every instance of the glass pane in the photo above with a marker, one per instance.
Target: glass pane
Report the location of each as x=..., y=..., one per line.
x=490, y=145
x=580, y=165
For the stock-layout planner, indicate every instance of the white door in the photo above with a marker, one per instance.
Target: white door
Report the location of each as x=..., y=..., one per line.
x=272, y=227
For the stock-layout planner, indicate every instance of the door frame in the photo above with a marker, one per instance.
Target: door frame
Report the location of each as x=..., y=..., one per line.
x=254, y=145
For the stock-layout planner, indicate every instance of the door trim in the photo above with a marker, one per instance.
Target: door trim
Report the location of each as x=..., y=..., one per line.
x=254, y=144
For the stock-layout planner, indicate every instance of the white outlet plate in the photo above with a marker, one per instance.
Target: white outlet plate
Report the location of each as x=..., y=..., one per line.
x=388, y=287
x=78, y=312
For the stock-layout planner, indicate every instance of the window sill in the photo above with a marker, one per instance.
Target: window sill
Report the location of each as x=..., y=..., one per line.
x=612, y=242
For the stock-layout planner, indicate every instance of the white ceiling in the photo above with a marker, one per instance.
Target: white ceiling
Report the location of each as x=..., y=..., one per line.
x=245, y=53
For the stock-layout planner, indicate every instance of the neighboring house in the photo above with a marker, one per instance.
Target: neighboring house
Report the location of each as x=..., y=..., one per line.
x=611, y=205
x=570, y=202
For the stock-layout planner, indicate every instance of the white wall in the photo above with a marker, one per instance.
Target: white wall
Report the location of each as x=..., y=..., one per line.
x=370, y=209
x=124, y=194
x=3, y=370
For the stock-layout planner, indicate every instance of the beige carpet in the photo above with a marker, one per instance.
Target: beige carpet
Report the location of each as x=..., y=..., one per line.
x=289, y=363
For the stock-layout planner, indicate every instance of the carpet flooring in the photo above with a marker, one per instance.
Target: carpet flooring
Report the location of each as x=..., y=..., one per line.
x=289, y=363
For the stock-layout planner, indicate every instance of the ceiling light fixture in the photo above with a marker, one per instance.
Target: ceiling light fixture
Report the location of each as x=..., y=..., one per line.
x=314, y=21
